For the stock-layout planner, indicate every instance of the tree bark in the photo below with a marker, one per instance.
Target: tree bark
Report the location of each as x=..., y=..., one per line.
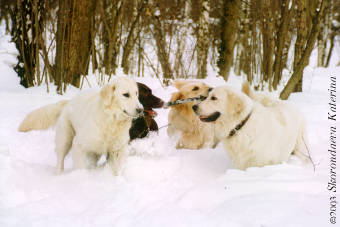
x=26, y=27
x=298, y=70
x=286, y=14
x=181, y=44
x=323, y=37
x=302, y=31
x=332, y=36
x=245, y=35
x=268, y=43
x=112, y=19
x=73, y=44
x=132, y=38
x=203, y=39
x=162, y=53
x=228, y=32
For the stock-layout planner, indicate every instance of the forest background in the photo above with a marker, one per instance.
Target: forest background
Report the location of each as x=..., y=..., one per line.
x=59, y=42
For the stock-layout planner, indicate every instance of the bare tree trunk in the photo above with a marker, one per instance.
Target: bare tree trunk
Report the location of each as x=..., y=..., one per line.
x=80, y=39
x=332, y=36
x=181, y=43
x=282, y=34
x=203, y=39
x=228, y=29
x=73, y=42
x=302, y=31
x=237, y=64
x=63, y=14
x=268, y=42
x=321, y=48
x=334, y=28
x=111, y=13
x=245, y=36
x=26, y=27
x=140, y=58
x=93, y=45
x=162, y=53
x=323, y=36
x=286, y=48
x=132, y=38
x=298, y=70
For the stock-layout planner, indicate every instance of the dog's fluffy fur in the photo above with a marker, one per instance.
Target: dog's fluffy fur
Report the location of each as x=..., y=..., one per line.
x=193, y=133
x=91, y=124
x=273, y=131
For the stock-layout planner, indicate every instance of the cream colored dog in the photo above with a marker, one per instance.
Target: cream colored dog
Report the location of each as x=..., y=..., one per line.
x=254, y=134
x=91, y=124
x=193, y=134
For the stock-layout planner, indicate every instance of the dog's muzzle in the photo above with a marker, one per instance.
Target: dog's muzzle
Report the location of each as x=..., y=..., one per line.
x=140, y=112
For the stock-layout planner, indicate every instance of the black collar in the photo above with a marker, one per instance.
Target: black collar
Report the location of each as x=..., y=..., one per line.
x=239, y=126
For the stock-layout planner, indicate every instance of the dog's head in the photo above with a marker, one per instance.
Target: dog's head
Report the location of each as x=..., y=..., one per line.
x=222, y=102
x=122, y=95
x=188, y=89
x=147, y=99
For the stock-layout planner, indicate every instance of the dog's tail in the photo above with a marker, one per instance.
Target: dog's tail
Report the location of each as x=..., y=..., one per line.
x=246, y=89
x=301, y=149
x=258, y=96
x=42, y=118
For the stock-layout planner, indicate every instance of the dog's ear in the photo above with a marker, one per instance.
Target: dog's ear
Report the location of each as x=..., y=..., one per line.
x=176, y=96
x=180, y=83
x=142, y=88
x=107, y=94
x=235, y=104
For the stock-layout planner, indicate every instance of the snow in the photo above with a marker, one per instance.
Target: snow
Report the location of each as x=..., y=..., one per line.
x=158, y=185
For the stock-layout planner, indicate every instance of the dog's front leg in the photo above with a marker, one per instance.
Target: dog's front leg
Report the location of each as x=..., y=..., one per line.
x=115, y=160
x=79, y=157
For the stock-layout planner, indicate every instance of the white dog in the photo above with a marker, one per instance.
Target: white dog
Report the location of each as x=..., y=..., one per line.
x=254, y=134
x=90, y=124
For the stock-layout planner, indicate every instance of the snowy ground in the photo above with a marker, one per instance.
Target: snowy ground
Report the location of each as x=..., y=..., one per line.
x=159, y=185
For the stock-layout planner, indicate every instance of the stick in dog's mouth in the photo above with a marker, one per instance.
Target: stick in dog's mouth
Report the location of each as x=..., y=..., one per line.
x=210, y=118
x=182, y=101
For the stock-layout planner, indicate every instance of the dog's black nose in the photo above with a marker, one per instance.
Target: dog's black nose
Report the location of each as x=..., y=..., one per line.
x=202, y=98
x=161, y=103
x=194, y=107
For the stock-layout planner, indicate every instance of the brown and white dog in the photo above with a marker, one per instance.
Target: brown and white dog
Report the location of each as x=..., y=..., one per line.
x=193, y=133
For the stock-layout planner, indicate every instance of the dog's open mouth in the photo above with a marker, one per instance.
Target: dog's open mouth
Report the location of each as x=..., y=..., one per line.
x=211, y=117
x=152, y=113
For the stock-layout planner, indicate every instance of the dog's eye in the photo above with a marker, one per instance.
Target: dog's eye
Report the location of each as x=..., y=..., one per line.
x=127, y=95
x=195, y=88
x=210, y=89
x=213, y=98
